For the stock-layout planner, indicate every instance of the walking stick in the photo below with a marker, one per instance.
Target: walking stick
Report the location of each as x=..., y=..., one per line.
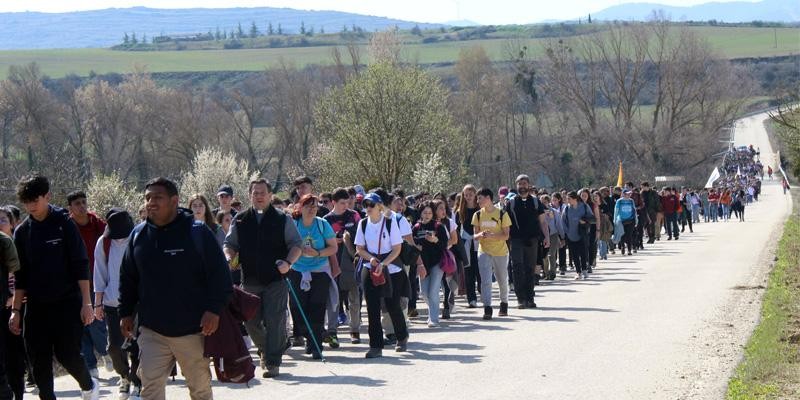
x=305, y=319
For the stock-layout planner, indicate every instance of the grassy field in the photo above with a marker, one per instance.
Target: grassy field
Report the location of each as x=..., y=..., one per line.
x=730, y=42
x=771, y=366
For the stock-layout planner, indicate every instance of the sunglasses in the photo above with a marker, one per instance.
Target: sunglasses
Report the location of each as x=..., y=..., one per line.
x=369, y=204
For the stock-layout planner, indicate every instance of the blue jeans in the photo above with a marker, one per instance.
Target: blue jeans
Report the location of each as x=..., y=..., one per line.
x=712, y=209
x=603, y=246
x=95, y=338
x=726, y=212
x=430, y=291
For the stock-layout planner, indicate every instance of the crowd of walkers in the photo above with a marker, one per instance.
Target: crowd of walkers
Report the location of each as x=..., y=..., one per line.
x=141, y=293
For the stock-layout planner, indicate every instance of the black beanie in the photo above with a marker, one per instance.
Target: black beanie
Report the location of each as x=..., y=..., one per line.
x=120, y=224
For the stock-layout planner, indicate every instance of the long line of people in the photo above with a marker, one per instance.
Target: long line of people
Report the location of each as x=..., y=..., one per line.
x=144, y=296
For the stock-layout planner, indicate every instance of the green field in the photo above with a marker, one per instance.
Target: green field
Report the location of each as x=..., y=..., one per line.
x=731, y=42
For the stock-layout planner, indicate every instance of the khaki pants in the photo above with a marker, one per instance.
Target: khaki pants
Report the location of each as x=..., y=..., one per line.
x=157, y=356
x=551, y=261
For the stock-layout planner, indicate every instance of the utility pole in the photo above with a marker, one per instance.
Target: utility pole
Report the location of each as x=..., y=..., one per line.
x=775, y=31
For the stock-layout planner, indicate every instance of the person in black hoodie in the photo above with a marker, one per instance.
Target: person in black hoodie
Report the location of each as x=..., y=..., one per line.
x=529, y=227
x=175, y=277
x=54, y=277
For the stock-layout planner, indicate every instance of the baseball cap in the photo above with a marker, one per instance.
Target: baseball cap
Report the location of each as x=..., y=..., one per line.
x=373, y=197
x=359, y=190
x=225, y=189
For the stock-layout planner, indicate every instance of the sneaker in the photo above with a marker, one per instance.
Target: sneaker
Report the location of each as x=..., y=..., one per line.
x=94, y=373
x=332, y=341
x=298, y=341
x=445, y=314
x=522, y=306
x=503, y=310
x=530, y=304
x=124, y=389
x=109, y=365
x=433, y=324
x=391, y=340
x=374, y=353
x=94, y=393
x=578, y=277
x=136, y=393
x=342, y=320
x=487, y=313
x=272, y=371
x=355, y=338
x=589, y=270
x=402, y=345
x=676, y=237
x=585, y=275
x=669, y=238
x=316, y=355
x=412, y=313
x=563, y=273
x=629, y=253
x=473, y=304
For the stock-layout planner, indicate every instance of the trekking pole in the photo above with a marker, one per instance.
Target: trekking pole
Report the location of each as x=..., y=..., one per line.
x=305, y=319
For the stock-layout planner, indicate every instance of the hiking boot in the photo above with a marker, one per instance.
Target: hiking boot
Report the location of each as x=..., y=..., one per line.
x=473, y=304
x=355, y=338
x=530, y=304
x=487, y=313
x=272, y=371
x=503, y=310
x=402, y=345
x=391, y=340
x=445, y=314
x=412, y=313
x=124, y=389
x=374, y=353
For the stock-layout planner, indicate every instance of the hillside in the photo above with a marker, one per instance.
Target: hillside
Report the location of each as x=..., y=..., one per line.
x=104, y=28
x=737, y=11
x=730, y=42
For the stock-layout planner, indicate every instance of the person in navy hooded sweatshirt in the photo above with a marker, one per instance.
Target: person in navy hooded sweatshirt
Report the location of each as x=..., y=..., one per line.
x=54, y=277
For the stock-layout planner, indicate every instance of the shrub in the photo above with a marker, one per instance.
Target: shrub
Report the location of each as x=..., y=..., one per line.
x=211, y=169
x=107, y=191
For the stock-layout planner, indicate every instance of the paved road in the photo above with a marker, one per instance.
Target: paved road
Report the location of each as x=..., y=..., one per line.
x=664, y=324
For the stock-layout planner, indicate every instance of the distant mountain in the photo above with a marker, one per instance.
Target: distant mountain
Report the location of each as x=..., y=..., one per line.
x=104, y=28
x=737, y=11
x=462, y=22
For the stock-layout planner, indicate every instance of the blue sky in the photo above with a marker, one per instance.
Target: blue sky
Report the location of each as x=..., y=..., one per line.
x=481, y=11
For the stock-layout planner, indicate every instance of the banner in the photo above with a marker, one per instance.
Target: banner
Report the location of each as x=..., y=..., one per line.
x=714, y=176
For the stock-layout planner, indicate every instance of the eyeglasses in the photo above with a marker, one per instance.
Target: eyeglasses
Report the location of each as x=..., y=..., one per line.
x=369, y=204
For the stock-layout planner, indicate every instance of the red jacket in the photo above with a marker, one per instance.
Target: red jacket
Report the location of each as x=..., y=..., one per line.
x=669, y=204
x=90, y=233
x=227, y=341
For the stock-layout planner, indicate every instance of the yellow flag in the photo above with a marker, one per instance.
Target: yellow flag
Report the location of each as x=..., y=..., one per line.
x=619, y=178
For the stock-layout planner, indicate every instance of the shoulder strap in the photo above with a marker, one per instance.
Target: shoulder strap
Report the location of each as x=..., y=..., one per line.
x=106, y=247
x=389, y=225
x=197, y=238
